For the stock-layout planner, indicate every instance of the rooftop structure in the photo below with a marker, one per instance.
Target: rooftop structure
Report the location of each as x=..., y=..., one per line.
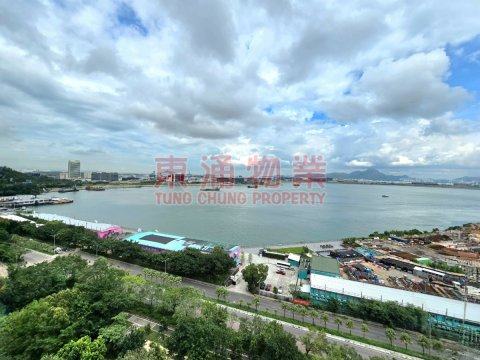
x=101, y=229
x=16, y=218
x=346, y=255
x=432, y=304
x=157, y=242
x=294, y=259
x=321, y=265
x=399, y=239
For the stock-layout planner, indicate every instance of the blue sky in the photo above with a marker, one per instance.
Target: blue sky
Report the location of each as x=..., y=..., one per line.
x=116, y=84
x=127, y=17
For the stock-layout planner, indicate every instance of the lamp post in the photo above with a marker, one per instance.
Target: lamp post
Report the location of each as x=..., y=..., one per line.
x=165, y=261
x=54, y=236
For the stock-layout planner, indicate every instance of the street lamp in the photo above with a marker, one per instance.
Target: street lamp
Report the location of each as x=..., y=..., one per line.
x=54, y=236
x=165, y=261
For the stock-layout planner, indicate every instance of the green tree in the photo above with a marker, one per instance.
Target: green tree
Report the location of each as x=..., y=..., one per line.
x=405, y=339
x=200, y=337
x=364, y=328
x=175, y=296
x=314, y=314
x=22, y=338
x=350, y=324
x=325, y=319
x=285, y=307
x=293, y=309
x=337, y=352
x=390, y=334
x=315, y=342
x=256, y=302
x=339, y=322
x=35, y=282
x=105, y=291
x=424, y=342
x=84, y=349
x=303, y=311
x=222, y=292
x=4, y=236
x=262, y=340
x=254, y=275
x=389, y=313
x=119, y=337
x=437, y=345
x=155, y=352
x=333, y=305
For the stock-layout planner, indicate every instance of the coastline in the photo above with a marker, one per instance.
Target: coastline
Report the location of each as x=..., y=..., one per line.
x=340, y=182
x=315, y=246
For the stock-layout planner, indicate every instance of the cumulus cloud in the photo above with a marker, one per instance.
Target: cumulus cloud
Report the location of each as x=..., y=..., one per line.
x=406, y=88
x=362, y=84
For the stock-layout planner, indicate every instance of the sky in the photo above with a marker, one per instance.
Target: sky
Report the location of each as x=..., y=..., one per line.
x=115, y=84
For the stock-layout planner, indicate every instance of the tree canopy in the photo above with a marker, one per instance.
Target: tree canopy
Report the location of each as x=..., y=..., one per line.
x=254, y=274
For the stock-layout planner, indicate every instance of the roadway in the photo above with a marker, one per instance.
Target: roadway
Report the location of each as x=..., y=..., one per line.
x=376, y=331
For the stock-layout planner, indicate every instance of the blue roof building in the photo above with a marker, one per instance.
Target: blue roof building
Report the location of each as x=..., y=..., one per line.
x=158, y=242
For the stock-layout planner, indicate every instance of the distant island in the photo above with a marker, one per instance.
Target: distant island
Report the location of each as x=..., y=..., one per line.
x=369, y=174
x=374, y=176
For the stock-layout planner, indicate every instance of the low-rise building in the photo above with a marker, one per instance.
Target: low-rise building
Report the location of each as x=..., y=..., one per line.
x=104, y=176
x=321, y=265
x=102, y=230
x=445, y=314
x=158, y=242
x=294, y=259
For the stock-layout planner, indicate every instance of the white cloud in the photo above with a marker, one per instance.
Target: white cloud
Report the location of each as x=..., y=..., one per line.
x=359, y=163
x=401, y=89
x=363, y=84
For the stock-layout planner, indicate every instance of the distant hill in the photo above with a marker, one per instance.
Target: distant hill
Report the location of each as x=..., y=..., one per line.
x=369, y=174
x=14, y=182
x=467, y=179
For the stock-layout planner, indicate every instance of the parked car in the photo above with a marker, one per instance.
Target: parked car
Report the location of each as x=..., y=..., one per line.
x=268, y=287
x=281, y=272
x=262, y=285
x=280, y=290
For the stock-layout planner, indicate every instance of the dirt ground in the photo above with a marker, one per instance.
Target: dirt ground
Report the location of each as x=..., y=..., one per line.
x=384, y=273
x=273, y=278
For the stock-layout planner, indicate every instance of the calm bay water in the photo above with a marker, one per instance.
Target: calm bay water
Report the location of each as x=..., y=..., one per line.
x=348, y=210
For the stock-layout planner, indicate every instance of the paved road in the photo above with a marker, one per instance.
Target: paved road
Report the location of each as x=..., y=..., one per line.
x=32, y=257
x=375, y=331
x=297, y=331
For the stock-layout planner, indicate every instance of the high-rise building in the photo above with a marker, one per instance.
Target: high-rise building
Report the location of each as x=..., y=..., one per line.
x=74, y=169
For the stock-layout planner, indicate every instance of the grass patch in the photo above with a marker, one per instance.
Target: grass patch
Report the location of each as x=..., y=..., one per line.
x=32, y=244
x=318, y=327
x=300, y=250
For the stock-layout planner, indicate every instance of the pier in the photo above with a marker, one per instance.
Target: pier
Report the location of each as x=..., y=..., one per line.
x=31, y=200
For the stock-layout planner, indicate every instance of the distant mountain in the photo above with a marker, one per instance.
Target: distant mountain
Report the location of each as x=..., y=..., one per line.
x=467, y=179
x=369, y=174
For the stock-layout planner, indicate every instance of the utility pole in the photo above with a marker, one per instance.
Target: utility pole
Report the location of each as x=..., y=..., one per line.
x=54, y=235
